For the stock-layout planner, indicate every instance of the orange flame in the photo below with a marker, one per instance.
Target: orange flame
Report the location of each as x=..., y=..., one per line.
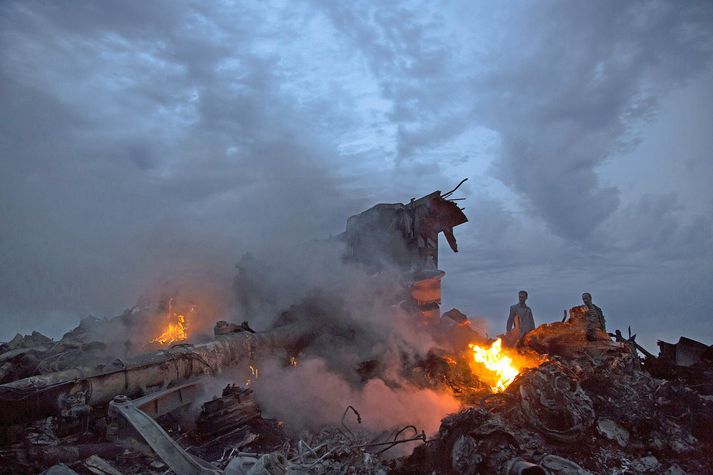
x=254, y=373
x=500, y=366
x=175, y=331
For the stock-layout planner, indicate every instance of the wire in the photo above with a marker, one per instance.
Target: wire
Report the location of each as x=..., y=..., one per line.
x=454, y=189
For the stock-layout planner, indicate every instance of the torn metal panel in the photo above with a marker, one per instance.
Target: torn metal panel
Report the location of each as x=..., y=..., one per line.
x=99, y=466
x=126, y=416
x=50, y=394
x=686, y=353
x=406, y=236
x=519, y=466
x=426, y=289
x=403, y=235
x=689, y=352
x=233, y=409
x=42, y=395
x=162, y=402
x=59, y=469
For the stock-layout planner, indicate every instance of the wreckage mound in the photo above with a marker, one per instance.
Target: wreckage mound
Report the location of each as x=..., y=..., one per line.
x=590, y=406
x=593, y=411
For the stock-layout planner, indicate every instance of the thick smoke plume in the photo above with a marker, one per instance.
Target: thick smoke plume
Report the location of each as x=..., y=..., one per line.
x=363, y=342
x=310, y=395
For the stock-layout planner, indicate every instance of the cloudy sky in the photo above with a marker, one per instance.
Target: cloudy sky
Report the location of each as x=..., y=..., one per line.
x=144, y=140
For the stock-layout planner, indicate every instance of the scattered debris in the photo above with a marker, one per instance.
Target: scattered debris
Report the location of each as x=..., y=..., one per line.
x=640, y=426
x=88, y=405
x=233, y=409
x=613, y=431
x=648, y=464
x=99, y=466
x=59, y=469
x=562, y=466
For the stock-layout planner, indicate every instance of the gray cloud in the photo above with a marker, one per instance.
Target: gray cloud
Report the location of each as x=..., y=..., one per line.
x=568, y=88
x=132, y=150
x=568, y=97
x=140, y=141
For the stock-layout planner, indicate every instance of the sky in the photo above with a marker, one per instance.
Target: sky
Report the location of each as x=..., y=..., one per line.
x=145, y=141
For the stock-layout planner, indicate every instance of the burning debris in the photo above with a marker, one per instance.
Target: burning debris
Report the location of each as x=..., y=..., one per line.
x=502, y=366
x=174, y=331
x=593, y=412
x=145, y=392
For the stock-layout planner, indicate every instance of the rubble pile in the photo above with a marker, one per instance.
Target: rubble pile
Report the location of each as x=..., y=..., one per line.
x=127, y=396
x=94, y=341
x=593, y=412
x=329, y=451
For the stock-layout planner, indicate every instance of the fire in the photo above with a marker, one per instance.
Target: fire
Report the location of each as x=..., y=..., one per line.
x=254, y=373
x=175, y=331
x=500, y=366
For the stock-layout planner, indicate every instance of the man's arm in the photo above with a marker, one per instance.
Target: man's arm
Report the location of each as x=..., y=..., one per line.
x=531, y=318
x=602, y=322
x=511, y=320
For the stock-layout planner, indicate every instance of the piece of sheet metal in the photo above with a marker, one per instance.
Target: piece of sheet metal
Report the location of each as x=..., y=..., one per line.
x=160, y=442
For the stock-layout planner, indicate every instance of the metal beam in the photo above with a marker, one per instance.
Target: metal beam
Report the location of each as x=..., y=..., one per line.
x=124, y=413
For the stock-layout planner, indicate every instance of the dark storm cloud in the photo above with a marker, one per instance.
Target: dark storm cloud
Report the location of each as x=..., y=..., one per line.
x=567, y=97
x=410, y=52
x=141, y=140
x=564, y=84
x=568, y=88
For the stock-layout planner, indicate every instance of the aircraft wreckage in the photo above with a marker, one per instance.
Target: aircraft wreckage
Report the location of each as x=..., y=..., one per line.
x=568, y=399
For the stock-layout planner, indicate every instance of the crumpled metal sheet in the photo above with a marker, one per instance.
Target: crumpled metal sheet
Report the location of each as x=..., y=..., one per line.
x=612, y=431
x=553, y=402
x=267, y=464
x=59, y=469
x=180, y=461
x=557, y=465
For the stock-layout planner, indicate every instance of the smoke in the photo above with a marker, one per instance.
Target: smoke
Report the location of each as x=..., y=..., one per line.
x=310, y=395
x=362, y=341
x=143, y=157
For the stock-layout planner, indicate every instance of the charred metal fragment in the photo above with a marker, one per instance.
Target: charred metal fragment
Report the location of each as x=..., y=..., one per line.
x=406, y=236
x=403, y=235
x=129, y=421
x=233, y=409
x=44, y=395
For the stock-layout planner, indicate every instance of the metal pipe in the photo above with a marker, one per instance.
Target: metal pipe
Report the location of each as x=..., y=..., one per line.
x=48, y=394
x=44, y=395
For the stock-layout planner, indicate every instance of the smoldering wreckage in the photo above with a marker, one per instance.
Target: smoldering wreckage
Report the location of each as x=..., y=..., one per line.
x=568, y=399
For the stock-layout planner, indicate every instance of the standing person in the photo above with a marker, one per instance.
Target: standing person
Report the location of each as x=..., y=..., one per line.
x=520, y=320
x=595, y=314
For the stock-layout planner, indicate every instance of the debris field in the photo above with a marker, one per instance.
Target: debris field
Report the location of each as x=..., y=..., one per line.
x=571, y=399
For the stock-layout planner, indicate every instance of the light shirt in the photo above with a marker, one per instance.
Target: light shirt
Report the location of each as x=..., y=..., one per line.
x=520, y=319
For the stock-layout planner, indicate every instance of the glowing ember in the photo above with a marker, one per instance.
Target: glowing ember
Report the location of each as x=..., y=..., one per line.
x=254, y=373
x=175, y=331
x=497, y=362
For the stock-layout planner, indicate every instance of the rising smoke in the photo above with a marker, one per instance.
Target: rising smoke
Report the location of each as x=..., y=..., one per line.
x=355, y=319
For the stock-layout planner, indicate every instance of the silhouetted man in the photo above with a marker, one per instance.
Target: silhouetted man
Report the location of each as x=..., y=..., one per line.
x=596, y=316
x=520, y=320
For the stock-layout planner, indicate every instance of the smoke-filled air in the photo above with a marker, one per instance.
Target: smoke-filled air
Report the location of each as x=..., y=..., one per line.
x=272, y=238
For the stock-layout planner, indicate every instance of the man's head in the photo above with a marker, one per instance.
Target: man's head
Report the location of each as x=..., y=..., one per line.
x=522, y=297
x=587, y=298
